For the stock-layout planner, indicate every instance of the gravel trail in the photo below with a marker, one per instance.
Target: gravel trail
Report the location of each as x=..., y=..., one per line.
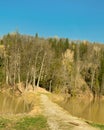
x=60, y=119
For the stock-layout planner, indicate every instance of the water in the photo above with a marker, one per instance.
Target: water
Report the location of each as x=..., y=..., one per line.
x=13, y=105
x=93, y=111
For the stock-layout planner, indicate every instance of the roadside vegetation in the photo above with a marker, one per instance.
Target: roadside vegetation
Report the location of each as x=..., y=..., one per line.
x=24, y=123
x=100, y=126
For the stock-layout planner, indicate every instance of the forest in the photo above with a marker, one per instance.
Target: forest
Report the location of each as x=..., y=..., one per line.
x=57, y=64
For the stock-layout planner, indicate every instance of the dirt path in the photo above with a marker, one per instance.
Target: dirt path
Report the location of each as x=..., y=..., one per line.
x=59, y=119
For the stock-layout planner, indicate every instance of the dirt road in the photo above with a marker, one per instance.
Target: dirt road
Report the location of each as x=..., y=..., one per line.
x=59, y=119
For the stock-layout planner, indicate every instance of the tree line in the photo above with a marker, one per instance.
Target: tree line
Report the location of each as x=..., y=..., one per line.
x=57, y=64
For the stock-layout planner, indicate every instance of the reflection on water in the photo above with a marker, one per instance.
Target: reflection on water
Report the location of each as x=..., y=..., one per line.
x=13, y=105
x=93, y=111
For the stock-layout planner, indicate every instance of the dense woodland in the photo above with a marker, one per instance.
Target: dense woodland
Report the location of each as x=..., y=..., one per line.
x=59, y=65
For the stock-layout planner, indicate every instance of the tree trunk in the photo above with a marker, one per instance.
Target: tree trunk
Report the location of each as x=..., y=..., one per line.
x=34, y=70
x=27, y=79
x=18, y=69
x=7, y=71
x=41, y=70
x=50, y=86
x=92, y=79
x=92, y=83
x=34, y=77
x=7, y=77
x=14, y=79
x=19, y=79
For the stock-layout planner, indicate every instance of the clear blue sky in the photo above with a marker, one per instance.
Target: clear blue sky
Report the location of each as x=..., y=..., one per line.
x=75, y=19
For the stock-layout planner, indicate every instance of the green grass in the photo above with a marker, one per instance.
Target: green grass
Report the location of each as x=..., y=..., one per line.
x=4, y=123
x=100, y=126
x=24, y=123
x=30, y=123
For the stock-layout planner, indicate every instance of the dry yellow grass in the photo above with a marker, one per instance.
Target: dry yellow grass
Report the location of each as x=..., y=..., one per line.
x=33, y=98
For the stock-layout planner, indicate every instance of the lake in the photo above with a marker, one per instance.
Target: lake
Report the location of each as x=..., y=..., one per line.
x=93, y=111
x=13, y=105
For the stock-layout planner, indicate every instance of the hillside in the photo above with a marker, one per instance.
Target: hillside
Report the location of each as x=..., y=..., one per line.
x=74, y=68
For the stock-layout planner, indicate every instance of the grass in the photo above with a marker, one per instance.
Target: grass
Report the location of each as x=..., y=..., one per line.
x=25, y=123
x=100, y=126
x=4, y=123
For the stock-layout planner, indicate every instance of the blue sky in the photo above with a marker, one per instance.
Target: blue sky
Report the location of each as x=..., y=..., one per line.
x=74, y=19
